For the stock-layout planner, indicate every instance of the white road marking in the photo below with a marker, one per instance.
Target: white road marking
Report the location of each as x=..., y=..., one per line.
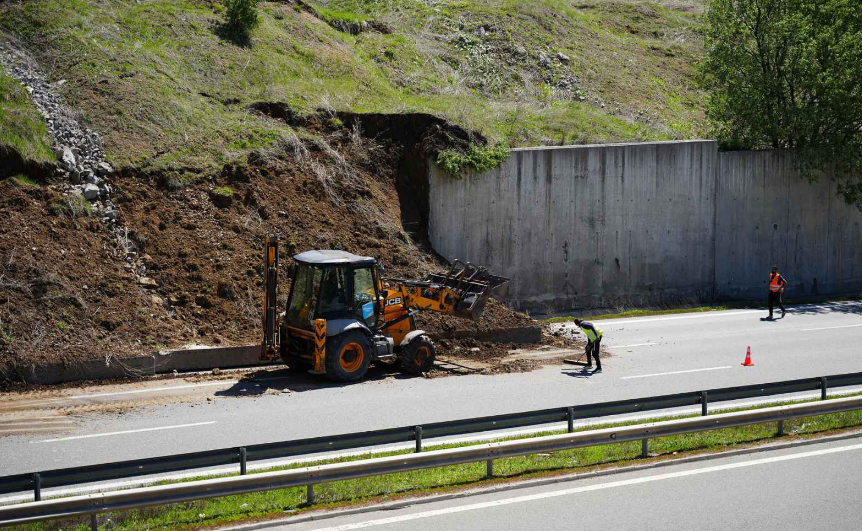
x=151, y=390
x=486, y=437
x=829, y=328
x=638, y=320
x=674, y=372
x=161, y=428
x=635, y=345
x=589, y=488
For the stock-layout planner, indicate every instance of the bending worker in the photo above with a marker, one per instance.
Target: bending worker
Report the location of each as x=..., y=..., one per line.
x=776, y=288
x=594, y=341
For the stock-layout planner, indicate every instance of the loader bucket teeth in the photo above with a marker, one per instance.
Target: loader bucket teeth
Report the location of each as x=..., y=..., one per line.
x=474, y=285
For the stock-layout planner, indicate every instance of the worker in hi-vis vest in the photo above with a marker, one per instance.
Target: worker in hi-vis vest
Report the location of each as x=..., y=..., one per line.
x=776, y=288
x=594, y=341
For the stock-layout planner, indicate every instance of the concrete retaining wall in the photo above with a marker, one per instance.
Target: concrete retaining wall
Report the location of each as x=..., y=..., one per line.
x=641, y=224
x=767, y=215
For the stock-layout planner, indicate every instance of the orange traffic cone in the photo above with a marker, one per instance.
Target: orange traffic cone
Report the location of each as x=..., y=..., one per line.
x=747, y=362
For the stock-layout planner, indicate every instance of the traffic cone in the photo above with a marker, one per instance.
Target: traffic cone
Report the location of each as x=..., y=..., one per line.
x=747, y=362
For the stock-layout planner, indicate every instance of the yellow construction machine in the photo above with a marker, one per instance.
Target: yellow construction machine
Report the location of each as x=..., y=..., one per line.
x=341, y=314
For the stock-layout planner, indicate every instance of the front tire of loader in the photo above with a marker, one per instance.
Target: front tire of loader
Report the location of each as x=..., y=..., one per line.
x=418, y=356
x=347, y=356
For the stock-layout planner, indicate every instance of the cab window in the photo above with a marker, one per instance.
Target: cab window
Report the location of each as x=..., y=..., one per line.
x=306, y=284
x=334, y=299
x=364, y=293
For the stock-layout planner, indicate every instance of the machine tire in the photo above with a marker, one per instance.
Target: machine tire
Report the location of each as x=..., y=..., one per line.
x=347, y=356
x=417, y=356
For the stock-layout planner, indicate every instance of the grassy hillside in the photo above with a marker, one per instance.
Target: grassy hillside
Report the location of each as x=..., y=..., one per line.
x=166, y=88
x=21, y=125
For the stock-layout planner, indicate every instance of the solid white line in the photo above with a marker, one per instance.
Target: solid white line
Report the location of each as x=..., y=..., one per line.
x=151, y=390
x=125, y=432
x=638, y=320
x=674, y=372
x=635, y=345
x=589, y=488
x=487, y=437
x=829, y=328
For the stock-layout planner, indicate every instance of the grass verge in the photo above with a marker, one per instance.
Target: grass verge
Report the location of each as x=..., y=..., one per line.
x=741, y=305
x=21, y=125
x=279, y=503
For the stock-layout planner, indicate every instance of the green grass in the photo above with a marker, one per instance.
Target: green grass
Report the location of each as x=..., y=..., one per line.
x=155, y=78
x=642, y=313
x=229, y=509
x=730, y=305
x=23, y=180
x=21, y=125
x=223, y=190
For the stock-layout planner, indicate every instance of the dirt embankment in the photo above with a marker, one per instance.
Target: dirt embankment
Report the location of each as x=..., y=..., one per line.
x=188, y=268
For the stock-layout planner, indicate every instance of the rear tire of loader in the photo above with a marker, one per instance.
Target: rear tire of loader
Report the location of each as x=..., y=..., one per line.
x=347, y=356
x=418, y=356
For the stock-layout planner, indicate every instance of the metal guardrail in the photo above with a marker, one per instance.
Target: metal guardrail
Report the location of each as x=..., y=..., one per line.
x=182, y=492
x=37, y=481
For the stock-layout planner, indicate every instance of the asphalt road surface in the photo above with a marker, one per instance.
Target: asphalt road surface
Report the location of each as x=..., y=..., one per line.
x=810, y=487
x=648, y=356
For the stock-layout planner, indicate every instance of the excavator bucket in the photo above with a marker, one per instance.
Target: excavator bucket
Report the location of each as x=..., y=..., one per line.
x=474, y=285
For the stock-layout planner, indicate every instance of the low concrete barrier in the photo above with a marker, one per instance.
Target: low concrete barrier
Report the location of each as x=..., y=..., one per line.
x=198, y=359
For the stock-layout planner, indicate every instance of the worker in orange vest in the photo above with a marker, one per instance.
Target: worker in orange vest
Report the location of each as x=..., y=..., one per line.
x=776, y=288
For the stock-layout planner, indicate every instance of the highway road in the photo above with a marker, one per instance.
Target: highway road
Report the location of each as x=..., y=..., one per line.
x=649, y=356
x=810, y=487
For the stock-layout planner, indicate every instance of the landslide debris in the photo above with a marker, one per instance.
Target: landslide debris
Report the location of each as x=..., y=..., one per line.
x=187, y=269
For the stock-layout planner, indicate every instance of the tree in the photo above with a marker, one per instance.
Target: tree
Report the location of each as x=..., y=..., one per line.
x=787, y=74
x=241, y=17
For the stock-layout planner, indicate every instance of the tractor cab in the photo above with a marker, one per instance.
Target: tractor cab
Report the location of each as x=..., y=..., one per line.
x=334, y=286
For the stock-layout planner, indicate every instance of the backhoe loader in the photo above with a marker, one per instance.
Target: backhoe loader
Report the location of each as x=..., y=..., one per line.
x=341, y=315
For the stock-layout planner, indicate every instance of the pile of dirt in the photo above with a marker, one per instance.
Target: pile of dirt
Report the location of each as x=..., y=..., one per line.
x=189, y=267
x=496, y=316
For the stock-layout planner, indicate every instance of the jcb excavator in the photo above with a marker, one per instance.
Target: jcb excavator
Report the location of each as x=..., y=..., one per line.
x=341, y=315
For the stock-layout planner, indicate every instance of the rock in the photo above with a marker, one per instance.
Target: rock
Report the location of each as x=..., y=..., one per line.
x=147, y=282
x=68, y=159
x=543, y=61
x=104, y=169
x=520, y=50
x=91, y=191
x=562, y=57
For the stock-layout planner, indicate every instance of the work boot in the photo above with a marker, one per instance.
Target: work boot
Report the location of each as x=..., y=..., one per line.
x=598, y=369
x=782, y=313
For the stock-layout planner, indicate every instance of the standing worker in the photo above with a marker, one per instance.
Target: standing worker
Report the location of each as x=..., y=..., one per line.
x=594, y=341
x=776, y=288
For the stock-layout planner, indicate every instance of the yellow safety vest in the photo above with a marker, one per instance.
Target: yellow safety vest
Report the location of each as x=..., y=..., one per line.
x=592, y=336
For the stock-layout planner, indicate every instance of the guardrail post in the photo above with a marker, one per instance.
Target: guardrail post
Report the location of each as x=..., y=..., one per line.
x=309, y=495
x=570, y=418
x=780, y=431
x=644, y=447
x=37, y=487
x=417, y=430
x=242, y=461
x=704, y=408
x=94, y=522
x=822, y=388
x=489, y=469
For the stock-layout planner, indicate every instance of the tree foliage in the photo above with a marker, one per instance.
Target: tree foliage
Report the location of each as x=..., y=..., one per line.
x=242, y=16
x=787, y=74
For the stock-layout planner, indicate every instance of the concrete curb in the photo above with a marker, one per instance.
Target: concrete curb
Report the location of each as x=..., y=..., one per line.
x=159, y=363
x=200, y=359
x=516, y=485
